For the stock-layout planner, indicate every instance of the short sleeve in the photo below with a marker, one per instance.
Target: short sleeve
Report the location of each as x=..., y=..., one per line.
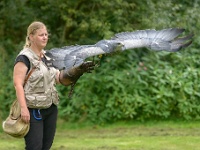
x=24, y=59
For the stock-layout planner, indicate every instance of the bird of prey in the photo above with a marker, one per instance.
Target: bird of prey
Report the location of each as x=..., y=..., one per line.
x=156, y=40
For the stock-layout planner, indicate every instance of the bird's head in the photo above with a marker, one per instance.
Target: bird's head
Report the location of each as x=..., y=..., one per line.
x=109, y=45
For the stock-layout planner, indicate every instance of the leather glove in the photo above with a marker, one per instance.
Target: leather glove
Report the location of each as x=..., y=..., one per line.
x=67, y=77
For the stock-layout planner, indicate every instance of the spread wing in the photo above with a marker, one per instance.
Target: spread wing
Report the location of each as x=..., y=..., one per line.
x=161, y=40
x=70, y=56
x=166, y=39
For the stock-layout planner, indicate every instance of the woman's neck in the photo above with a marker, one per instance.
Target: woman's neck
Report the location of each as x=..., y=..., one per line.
x=37, y=51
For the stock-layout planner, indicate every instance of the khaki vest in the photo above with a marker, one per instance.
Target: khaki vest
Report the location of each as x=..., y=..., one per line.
x=40, y=91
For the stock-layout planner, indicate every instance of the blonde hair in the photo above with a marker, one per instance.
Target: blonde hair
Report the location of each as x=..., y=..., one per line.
x=31, y=30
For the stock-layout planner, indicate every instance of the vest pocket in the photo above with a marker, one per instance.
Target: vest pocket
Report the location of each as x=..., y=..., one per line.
x=42, y=101
x=30, y=101
x=39, y=101
x=39, y=87
x=37, y=82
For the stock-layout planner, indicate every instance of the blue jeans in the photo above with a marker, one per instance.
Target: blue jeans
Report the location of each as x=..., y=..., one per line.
x=42, y=132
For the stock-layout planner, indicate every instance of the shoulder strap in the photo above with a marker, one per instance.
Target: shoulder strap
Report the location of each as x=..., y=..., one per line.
x=29, y=74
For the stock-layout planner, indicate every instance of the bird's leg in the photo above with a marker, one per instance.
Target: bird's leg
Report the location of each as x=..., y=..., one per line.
x=71, y=90
x=99, y=61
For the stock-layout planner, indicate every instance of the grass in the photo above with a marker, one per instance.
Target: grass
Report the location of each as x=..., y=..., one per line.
x=151, y=135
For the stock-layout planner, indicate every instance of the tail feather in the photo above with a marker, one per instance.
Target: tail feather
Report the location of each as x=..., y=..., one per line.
x=180, y=43
x=186, y=44
x=183, y=39
x=178, y=46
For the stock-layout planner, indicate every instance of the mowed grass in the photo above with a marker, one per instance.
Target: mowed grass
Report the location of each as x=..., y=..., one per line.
x=150, y=135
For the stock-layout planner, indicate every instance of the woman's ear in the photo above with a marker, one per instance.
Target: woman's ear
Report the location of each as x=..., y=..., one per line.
x=30, y=37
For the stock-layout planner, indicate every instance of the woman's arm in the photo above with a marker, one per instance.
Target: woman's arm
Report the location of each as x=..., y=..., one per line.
x=19, y=76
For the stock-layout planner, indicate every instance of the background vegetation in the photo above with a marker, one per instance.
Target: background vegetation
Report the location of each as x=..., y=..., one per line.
x=137, y=84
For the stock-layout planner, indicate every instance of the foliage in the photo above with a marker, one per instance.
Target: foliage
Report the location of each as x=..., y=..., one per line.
x=159, y=86
x=135, y=84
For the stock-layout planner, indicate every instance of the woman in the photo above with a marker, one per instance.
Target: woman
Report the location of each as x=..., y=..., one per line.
x=38, y=98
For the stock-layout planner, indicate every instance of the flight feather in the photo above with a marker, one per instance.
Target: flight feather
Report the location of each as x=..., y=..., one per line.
x=156, y=40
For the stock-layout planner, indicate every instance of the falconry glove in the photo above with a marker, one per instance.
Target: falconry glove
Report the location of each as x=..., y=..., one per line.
x=68, y=77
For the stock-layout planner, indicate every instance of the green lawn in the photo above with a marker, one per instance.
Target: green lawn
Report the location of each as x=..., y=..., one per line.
x=152, y=135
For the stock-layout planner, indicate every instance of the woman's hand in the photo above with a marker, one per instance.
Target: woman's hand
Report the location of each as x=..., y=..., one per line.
x=25, y=114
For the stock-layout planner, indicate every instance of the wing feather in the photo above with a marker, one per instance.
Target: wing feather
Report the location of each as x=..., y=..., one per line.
x=157, y=40
x=69, y=56
x=152, y=39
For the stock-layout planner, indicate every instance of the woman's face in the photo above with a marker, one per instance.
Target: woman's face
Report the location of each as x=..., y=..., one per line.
x=40, y=38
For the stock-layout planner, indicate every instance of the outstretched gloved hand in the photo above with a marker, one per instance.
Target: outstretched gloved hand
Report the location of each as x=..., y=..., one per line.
x=87, y=66
x=70, y=76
